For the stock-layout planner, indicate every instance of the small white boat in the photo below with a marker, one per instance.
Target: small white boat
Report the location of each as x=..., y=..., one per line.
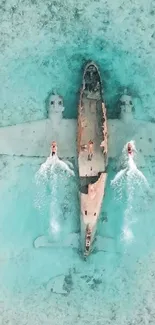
x=92, y=153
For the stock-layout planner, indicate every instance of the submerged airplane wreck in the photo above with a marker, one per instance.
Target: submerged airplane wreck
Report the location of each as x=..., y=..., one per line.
x=94, y=138
x=92, y=153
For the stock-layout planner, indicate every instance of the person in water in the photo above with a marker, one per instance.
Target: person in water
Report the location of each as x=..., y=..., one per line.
x=90, y=149
x=130, y=149
x=53, y=148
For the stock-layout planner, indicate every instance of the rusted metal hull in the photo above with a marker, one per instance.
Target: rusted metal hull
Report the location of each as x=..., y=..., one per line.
x=92, y=128
x=89, y=220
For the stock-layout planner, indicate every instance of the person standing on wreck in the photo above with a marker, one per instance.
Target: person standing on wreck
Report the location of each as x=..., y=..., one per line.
x=90, y=149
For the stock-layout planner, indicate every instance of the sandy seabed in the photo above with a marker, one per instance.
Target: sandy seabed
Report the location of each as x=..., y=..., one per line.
x=43, y=48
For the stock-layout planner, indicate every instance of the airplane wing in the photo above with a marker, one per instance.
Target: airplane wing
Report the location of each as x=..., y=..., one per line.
x=143, y=133
x=34, y=138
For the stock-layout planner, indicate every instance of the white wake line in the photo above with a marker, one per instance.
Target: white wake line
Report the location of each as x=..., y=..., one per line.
x=50, y=164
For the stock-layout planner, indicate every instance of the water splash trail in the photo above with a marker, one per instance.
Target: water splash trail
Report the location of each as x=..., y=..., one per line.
x=56, y=174
x=50, y=173
x=49, y=166
x=54, y=208
x=134, y=182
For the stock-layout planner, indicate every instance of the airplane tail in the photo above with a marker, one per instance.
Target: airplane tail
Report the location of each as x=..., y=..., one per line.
x=71, y=241
x=105, y=244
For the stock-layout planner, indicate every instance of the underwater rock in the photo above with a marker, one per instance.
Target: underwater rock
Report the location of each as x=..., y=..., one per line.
x=92, y=281
x=104, y=217
x=61, y=284
x=77, y=13
x=87, y=278
x=68, y=283
x=13, y=9
x=5, y=163
x=55, y=285
x=95, y=283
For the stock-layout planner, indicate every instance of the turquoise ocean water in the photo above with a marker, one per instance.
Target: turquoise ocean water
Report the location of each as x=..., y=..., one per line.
x=43, y=44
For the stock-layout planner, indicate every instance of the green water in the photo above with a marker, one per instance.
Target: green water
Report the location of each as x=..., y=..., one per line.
x=43, y=45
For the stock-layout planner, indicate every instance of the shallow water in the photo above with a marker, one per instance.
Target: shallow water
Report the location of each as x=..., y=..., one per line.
x=115, y=286
x=108, y=287
x=35, y=60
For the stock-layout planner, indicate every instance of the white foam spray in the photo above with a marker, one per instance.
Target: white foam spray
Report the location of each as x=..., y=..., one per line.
x=49, y=174
x=133, y=180
x=54, y=208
